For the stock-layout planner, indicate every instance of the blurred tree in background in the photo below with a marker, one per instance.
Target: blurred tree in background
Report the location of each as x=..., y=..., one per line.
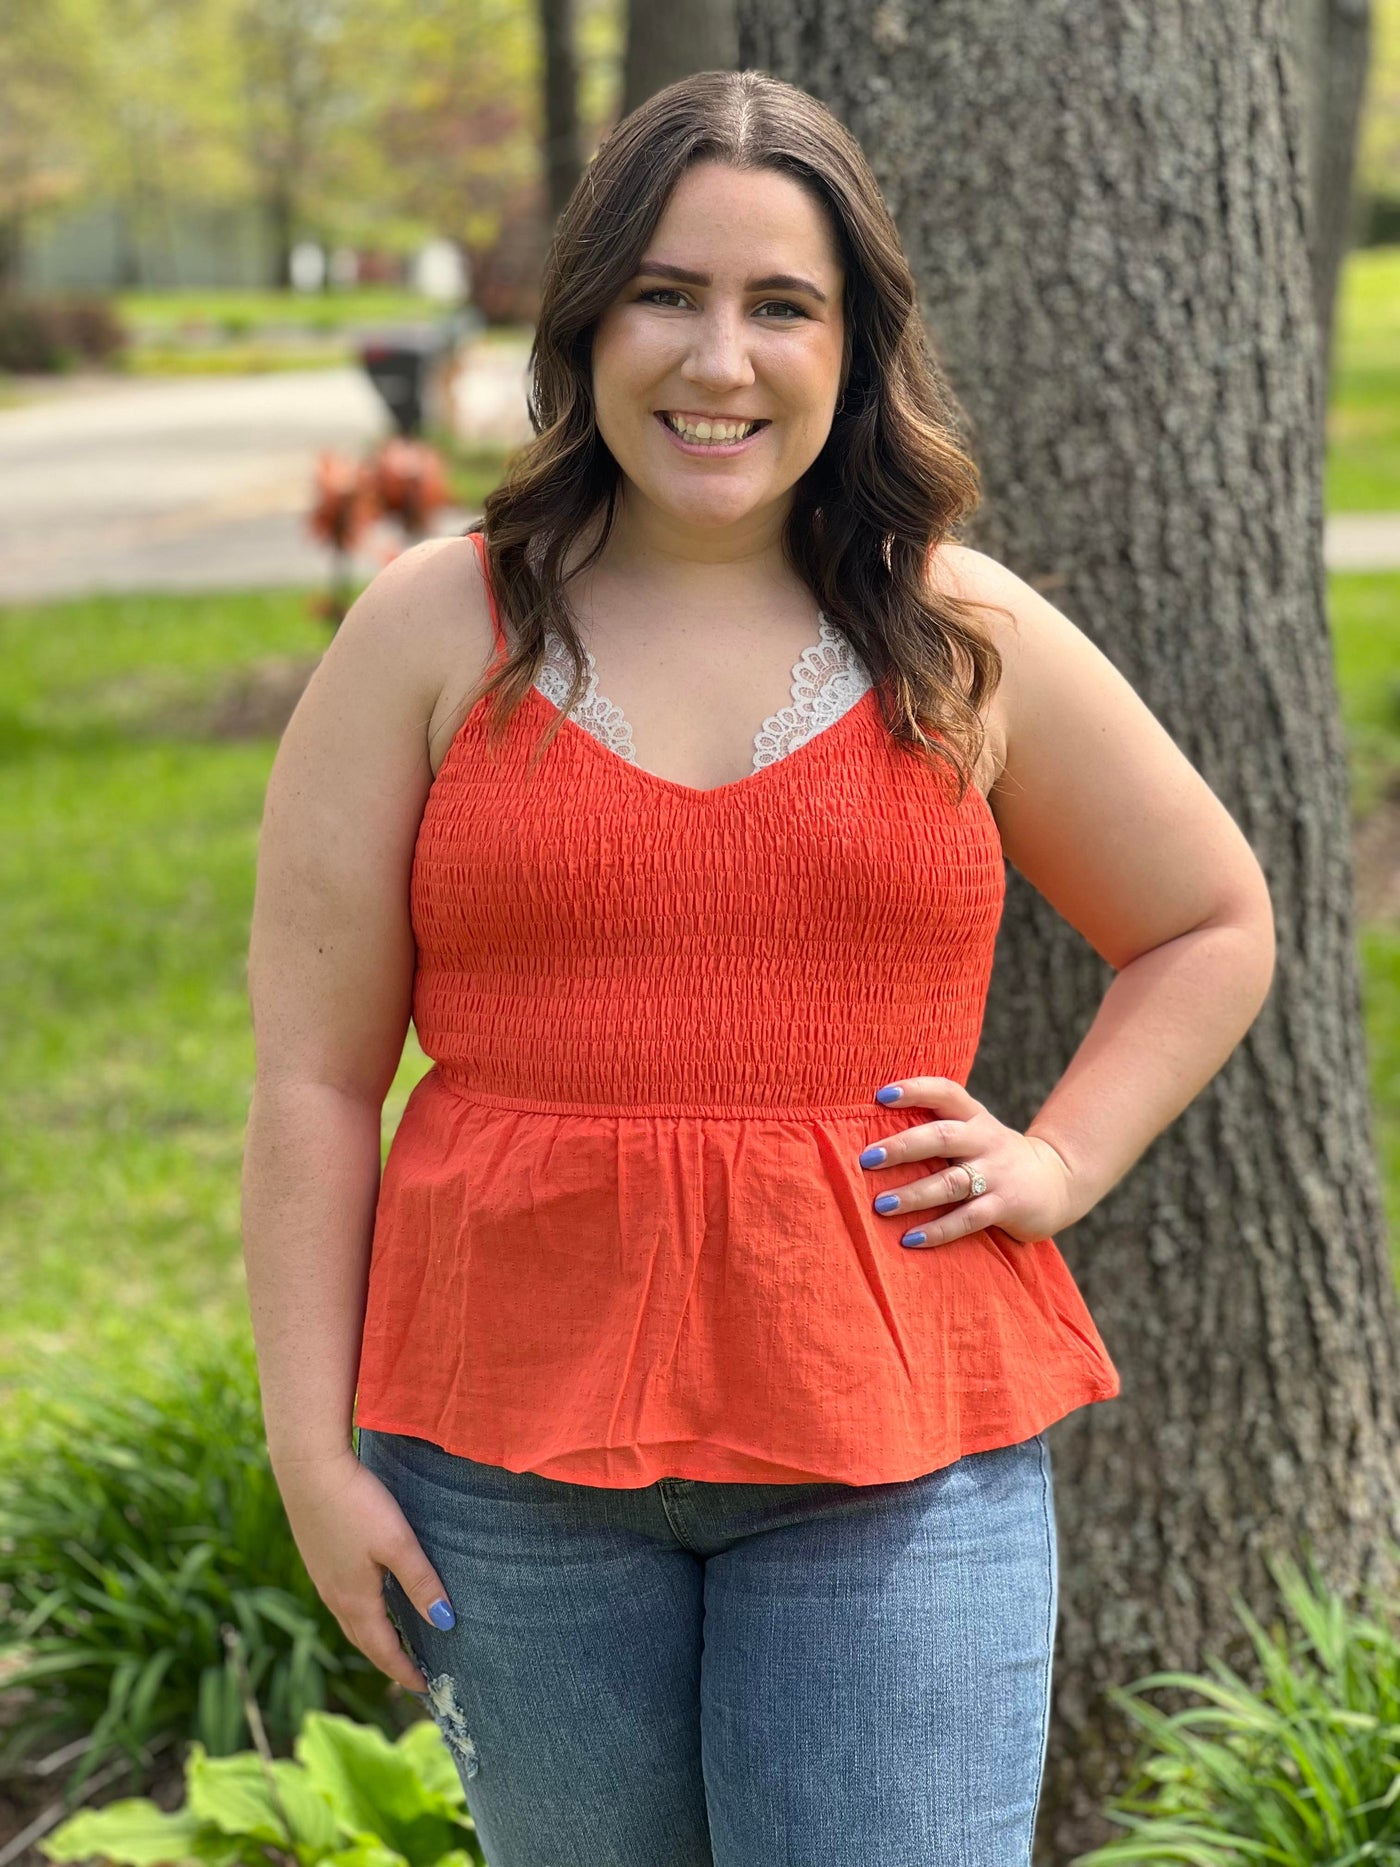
x=46, y=47
x=360, y=123
x=1378, y=150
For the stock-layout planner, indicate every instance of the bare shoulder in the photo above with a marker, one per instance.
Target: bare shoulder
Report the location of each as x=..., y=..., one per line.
x=957, y=570
x=457, y=634
x=999, y=595
x=1097, y=805
x=331, y=951
x=430, y=604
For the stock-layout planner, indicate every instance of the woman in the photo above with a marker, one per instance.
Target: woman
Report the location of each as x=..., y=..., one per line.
x=717, y=1525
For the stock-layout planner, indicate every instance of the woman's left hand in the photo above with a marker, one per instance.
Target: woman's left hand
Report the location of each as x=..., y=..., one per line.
x=1028, y=1183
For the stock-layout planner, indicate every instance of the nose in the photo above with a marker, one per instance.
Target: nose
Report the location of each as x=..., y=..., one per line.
x=719, y=356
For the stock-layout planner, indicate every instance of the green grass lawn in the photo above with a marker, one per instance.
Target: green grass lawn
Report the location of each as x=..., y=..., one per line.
x=152, y=312
x=127, y=850
x=237, y=333
x=127, y=853
x=1364, y=612
x=1363, y=416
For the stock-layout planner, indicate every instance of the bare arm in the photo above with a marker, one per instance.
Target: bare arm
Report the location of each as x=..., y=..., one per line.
x=330, y=981
x=330, y=974
x=1106, y=817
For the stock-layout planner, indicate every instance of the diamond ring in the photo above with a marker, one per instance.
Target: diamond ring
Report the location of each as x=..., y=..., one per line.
x=976, y=1184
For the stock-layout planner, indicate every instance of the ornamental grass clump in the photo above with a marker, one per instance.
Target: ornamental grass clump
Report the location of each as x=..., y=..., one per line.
x=149, y=1580
x=1304, y=1772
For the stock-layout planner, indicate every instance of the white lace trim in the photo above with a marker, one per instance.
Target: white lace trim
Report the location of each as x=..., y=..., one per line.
x=827, y=680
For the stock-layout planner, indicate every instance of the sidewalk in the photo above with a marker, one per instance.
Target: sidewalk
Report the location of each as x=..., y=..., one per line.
x=1362, y=541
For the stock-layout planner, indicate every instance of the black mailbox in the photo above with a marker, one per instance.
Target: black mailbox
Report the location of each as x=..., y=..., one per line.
x=408, y=364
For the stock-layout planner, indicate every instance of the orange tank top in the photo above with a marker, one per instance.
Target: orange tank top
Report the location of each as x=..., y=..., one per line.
x=621, y=1232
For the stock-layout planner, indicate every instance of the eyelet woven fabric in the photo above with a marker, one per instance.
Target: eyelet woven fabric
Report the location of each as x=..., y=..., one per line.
x=621, y=1232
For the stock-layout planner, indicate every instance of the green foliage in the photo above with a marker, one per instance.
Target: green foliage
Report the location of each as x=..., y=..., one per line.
x=1378, y=142
x=138, y=1523
x=351, y=1799
x=1302, y=1773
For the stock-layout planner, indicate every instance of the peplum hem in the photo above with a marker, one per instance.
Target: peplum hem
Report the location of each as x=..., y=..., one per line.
x=609, y=1300
x=712, y=1462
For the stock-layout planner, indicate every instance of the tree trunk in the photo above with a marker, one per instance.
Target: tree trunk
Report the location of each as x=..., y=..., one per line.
x=279, y=210
x=563, y=161
x=1105, y=211
x=1332, y=46
x=128, y=267
x=670, y=41
x=11, y=250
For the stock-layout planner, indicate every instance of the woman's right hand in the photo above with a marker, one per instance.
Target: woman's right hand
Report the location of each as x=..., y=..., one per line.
x=349, y=1529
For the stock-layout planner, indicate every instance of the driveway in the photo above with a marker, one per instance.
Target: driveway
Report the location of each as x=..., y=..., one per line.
x=196, y=483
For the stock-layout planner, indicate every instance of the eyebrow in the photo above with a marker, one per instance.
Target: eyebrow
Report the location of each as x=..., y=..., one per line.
x=773, y=282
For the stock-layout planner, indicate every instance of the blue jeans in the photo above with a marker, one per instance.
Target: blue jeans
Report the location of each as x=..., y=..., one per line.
x=697, y=1674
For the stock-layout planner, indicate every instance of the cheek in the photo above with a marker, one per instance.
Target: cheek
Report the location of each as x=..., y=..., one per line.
x=631, y=351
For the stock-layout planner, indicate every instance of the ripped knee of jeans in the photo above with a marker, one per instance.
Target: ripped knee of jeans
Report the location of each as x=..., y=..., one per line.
x=446, y=1711
x=444, y=1707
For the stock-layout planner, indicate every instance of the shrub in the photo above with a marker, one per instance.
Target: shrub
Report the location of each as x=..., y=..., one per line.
x=135, y=1528
x=47, y=334
x=1305, y=1772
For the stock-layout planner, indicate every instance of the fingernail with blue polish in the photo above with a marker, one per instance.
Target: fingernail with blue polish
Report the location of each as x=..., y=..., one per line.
x=887, y=1202
x=441, y=1615
x=872, y=1157
x=890, y=1093
x=914, y=1238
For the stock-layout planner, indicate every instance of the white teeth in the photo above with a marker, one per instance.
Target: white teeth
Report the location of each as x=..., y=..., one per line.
x=715, y=432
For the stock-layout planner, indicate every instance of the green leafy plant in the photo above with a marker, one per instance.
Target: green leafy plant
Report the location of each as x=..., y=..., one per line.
x=145, y=1557
x=351, y=1798
x=1302, y=1773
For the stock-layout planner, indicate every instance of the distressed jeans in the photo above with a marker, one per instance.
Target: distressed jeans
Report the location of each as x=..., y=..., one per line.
x=698, y=1674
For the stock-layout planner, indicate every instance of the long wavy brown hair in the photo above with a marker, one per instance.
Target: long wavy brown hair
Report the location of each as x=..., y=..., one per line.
x=893, y=480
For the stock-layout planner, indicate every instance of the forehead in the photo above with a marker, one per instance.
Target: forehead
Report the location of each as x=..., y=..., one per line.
x=731, y=220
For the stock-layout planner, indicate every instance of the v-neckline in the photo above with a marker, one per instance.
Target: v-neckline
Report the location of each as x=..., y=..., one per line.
x=696, y=791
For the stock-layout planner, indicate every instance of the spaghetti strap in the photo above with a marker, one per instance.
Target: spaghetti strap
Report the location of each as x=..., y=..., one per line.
x=479, y=541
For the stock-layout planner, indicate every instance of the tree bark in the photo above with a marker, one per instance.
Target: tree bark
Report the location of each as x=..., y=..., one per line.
x=1331, y=43
x=1105, y=209
x=563, y=160
x=670, y=41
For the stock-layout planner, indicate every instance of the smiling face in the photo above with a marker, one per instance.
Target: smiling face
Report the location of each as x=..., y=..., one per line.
x=754, y=332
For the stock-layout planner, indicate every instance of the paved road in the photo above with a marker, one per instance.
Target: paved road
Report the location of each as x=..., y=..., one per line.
x=201, y=483
x=111, y=484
